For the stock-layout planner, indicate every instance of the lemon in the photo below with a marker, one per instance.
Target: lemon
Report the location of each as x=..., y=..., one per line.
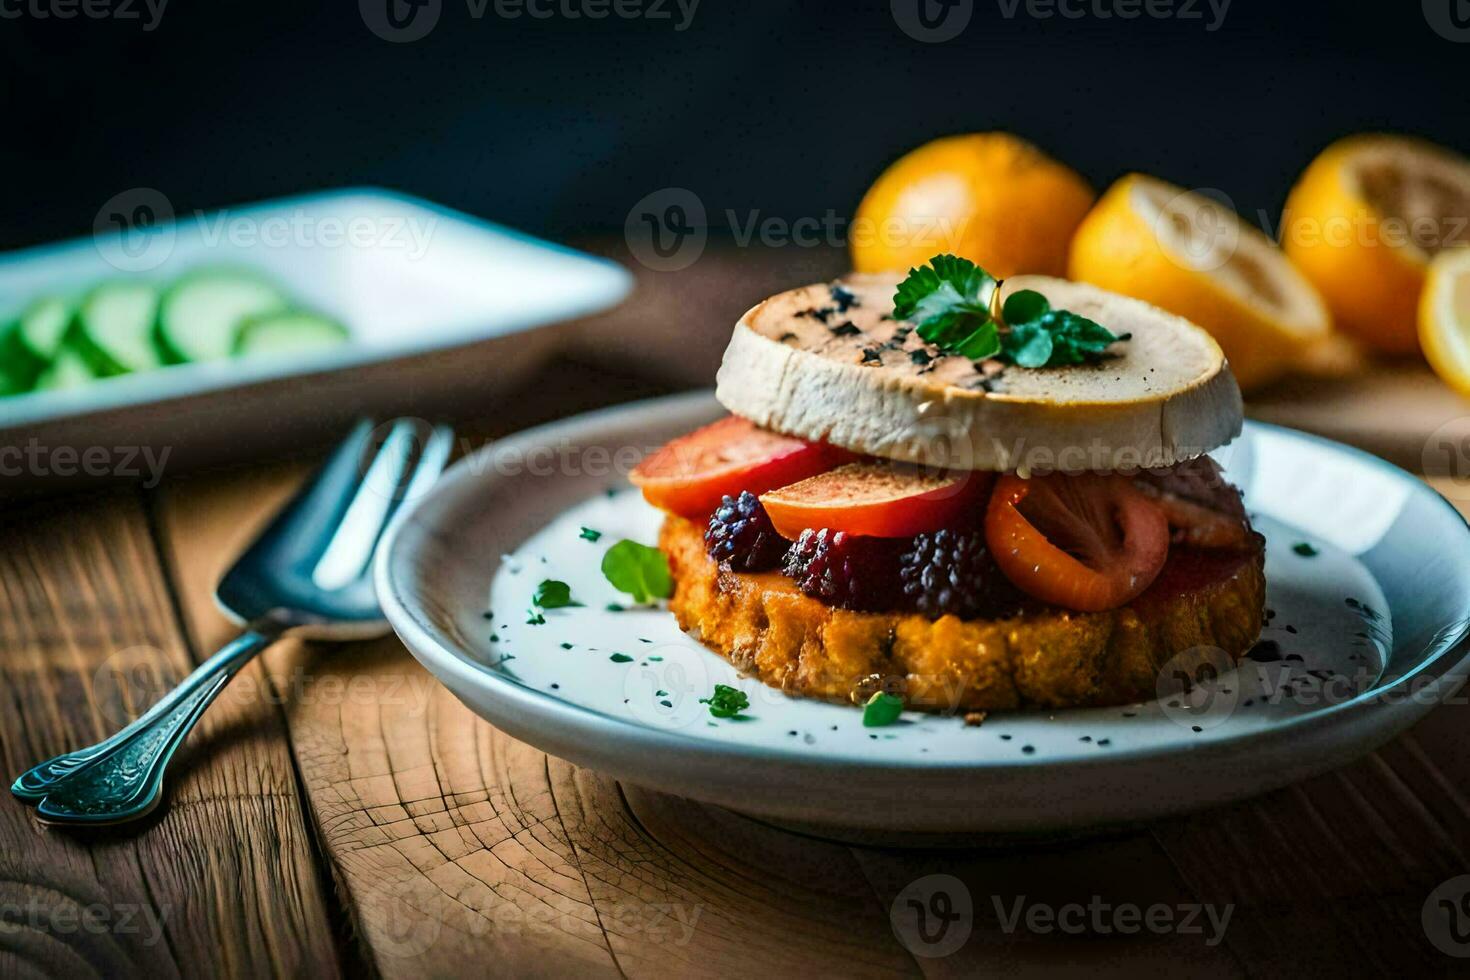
x=1190, y=255
x=992, y=198
x=1444, y=317
x=1364, y=221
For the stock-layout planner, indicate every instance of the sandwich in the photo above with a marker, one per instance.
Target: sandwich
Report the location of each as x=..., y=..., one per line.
x=965, y=494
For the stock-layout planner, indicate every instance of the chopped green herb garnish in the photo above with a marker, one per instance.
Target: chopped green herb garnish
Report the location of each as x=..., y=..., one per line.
x=621, y=658
x=638, y=570
x=882, y=709
x=566, y=646
x=614, y=607
x=494, y=637
x=590, y=535
x=950, y=302
x=534, y=618
x=660, y=694
x=551, y=594
x=1304, y=549
x=655, y=659
x=667, y=704
x=726, y=702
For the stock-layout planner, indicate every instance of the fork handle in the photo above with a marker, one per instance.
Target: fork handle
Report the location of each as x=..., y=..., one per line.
x=121, y=778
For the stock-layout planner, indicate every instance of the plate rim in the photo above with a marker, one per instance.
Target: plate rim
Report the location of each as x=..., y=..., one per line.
x=438, y=656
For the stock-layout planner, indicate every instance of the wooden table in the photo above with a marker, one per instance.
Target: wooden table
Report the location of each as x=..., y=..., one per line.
x=339, y=812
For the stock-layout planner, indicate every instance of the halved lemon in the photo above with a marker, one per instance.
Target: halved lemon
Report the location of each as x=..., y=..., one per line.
x=1444, y=317
x=1363, y=223
x=992, y=198
x=1191, y=255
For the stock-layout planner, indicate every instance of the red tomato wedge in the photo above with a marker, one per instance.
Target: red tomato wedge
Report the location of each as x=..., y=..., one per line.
x=690, y=474
x=1088, y=542
x=881, y=500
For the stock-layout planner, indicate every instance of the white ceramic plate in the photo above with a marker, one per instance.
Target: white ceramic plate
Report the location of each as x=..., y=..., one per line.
x=1364, y=638
x=407, y=278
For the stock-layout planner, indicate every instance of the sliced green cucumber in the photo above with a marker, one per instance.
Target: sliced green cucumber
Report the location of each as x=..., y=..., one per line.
x=69, y=370
x=113, y=329
x=202, y=313
x=31, y=342
x=290, y=332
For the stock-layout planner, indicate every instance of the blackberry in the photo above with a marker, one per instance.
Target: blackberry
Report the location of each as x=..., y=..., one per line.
x=953, y=572
x=740, y=535
x=846, y=570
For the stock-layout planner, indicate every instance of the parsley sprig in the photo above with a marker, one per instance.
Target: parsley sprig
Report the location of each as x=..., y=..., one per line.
x=950, y=300
x=726, y=701
x=552, y=594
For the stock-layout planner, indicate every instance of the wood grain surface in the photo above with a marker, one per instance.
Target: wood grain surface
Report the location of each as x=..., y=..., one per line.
x=227, y=876
x=340, y=813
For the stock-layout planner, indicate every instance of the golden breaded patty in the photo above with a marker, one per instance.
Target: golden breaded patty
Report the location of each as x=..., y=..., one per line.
x=1050, y=658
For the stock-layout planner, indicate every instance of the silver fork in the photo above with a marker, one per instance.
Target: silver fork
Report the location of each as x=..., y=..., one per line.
x=309, y=573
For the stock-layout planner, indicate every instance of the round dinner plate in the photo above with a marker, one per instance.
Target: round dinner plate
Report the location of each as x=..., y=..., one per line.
x=1368, y=596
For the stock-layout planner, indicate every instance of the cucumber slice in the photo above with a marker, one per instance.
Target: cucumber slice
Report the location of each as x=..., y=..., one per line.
x=113, y=331
x=31, y=342
x=202, y=313
x=290, y=332
x=68, y=370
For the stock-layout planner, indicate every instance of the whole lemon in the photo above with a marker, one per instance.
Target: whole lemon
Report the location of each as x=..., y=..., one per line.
x=992, y=198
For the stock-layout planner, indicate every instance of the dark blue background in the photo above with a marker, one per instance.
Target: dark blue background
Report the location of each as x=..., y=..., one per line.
x=559, y=126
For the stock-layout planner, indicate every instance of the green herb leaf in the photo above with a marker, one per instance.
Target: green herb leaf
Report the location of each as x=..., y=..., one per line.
x=949, y=301
x=1305, y=550
x=726, y=702
x=1029, y=345
x=551, y=594
x=638, y=570
x=620, y=658
x=590, y=535
x=1024, y=305
x=534, y=618
x=1074, y=338
x=882, y=709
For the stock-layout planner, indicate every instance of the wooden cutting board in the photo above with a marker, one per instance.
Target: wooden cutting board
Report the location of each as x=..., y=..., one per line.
x=1400, y=411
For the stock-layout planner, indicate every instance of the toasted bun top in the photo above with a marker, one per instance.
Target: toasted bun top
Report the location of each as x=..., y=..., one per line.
x=826, y=361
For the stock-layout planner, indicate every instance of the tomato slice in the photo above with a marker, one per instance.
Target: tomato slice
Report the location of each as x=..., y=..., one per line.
x=1088, y=542
x=881, y=500
x=690, y=474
